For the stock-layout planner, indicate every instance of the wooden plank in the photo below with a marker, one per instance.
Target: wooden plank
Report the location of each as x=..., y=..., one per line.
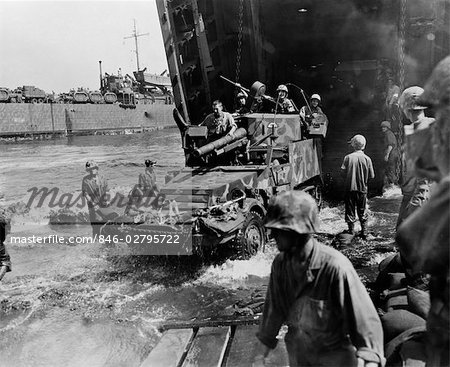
x=245, y=346
x=169, y=349
x=247, y=320
x=208, y=347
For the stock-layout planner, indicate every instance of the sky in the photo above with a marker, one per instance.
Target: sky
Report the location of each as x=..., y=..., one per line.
x=57, y=45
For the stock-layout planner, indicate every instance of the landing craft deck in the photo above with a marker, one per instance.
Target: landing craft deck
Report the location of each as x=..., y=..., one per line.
x=229, y=346
x=22, y=119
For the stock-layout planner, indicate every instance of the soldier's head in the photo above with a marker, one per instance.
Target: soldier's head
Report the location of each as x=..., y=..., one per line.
x=92, y=167
x=408, y=103
x=358, y=142
x=282, y=92
x=217, y=108
x=315, y=100
x=292, y=219
x=385, y=126
x=149, y=164
x=437, y=96
x=241, y=98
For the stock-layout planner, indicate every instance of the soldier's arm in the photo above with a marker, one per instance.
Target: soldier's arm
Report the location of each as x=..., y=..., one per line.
x=371, y=170
x=360, y=316
x=344, y=166
x=272, y=318
x=232, y=124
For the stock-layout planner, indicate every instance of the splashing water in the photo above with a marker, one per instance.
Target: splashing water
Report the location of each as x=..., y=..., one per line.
x=73, y=305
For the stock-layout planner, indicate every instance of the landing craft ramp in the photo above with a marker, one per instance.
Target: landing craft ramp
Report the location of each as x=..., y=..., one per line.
x=343, y=50
x=228, y=345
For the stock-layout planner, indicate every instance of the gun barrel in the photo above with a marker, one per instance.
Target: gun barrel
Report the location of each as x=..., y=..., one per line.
x=220, y=143
x=235, y=84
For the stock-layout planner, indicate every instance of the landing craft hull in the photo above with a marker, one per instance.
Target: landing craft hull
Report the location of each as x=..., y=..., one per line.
x=26, y=119
x=343, y=50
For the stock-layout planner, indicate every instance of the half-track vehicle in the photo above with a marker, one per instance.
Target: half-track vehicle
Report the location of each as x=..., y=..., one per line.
x=221, y=195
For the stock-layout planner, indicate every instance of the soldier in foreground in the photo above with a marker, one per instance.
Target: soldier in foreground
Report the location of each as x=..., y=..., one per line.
x=357, y=168
x=415, y=190
x=95, y=190
x=424, y=237
x=219, y=123
x=315, y=290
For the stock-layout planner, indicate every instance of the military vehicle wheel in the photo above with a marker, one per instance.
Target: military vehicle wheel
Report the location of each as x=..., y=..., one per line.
x=252, y=236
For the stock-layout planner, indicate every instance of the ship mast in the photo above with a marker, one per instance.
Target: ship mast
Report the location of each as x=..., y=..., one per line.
x=135, y=35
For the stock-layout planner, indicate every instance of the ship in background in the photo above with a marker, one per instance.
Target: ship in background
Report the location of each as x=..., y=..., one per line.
x=123, y=103
x=343, y=50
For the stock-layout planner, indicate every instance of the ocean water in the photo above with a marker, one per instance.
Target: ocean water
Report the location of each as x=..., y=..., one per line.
x=75, y=304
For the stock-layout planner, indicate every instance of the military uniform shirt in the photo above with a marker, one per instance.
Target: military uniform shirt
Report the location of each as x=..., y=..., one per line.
x=95, y=188
x=326, y=308
x=358, y=168
x=219, y=125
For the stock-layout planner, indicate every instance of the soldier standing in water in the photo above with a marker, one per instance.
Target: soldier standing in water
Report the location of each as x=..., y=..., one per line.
x=95, y=190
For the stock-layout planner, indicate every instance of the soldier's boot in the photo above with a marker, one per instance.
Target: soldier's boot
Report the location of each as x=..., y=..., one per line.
x=363, y=233
x=351, y=228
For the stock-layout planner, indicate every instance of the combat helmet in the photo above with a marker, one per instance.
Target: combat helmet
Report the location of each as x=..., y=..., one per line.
x=437, y=88
x=409, y=99
x=283, y=88
x=293, y=211
x=91, y=165
x=316, y=96
x=386, y=124
x=149, y=163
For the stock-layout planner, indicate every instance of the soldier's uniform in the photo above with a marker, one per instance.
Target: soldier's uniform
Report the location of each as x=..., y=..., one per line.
x=415, y=190
x=95, y=190
x=218, y=126
x=424, y=237
x=331, y=319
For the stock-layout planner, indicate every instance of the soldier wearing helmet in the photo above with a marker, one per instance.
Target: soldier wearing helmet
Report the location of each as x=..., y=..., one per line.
x=423, y=237
x=241, y=100
x=390, y=154
x=415, y=190
x=95, y=190
x=284, y=104
x=147, y=180
x=357, y=168
x=307, y=112
x=315, y=290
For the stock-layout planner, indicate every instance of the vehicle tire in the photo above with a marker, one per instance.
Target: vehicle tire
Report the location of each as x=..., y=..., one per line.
x=251, y=237
x=34, y=100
